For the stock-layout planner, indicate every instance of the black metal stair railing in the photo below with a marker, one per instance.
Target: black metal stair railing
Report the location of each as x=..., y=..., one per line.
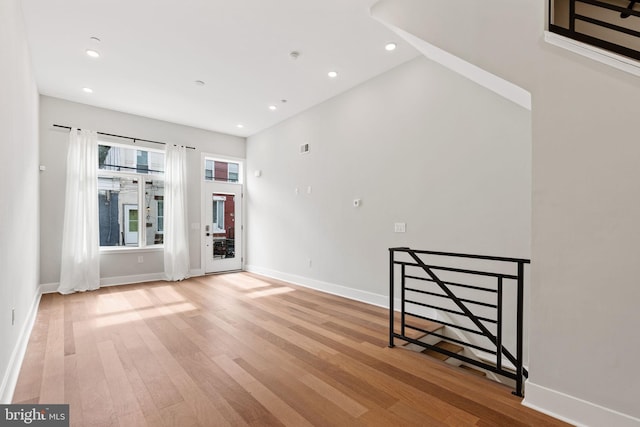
x=613, y=25
x=424, y=290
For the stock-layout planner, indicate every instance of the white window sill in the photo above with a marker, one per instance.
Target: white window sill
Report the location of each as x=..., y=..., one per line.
x=603, y=56
x=129, y=250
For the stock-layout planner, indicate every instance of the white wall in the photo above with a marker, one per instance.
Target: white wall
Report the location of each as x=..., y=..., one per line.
x=18, y=192
x=584, y=341
x=53, y=149
x=418, y=144
x=586, y=222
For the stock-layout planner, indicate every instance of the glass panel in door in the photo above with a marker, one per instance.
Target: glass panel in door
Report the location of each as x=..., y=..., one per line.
x=223, y=219
x=222, y=226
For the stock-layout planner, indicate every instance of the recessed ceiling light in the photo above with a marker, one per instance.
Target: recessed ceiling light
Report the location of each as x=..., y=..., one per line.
x=92, y=53
x=95, y=39
x=239, y=125
x=87, y=90
x=332, y=74
x=390, y=46
x=273, y=107
x=199, y=83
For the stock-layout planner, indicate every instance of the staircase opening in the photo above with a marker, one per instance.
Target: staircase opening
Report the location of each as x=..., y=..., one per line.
x=467, y=310
x=613, y=25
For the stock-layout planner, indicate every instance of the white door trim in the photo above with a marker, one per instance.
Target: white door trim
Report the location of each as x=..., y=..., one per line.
x=242, y=177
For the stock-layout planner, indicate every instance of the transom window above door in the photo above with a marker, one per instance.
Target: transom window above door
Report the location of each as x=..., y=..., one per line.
x=221, y=170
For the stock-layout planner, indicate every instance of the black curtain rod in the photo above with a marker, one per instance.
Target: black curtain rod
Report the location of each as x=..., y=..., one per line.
x=122, y=136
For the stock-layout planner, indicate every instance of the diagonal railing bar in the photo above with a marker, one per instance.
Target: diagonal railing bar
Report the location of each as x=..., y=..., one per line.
x=453, y=297
x=461, y=305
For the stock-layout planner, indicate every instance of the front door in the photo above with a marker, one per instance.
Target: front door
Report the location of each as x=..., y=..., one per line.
x=222, y=226
x=131, y=225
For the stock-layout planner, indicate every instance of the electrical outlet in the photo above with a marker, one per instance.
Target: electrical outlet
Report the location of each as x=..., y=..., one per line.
x=140, y=259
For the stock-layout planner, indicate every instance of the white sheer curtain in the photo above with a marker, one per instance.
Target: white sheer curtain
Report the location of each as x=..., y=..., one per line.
x=176, y=230
x=80, y=260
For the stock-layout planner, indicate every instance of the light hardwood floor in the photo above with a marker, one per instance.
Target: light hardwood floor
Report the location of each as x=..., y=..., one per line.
x=241, y=349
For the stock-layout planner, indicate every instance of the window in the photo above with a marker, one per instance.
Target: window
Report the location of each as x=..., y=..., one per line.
x=160, y=216
x=142, y=162
x=130, y=196
x=219, y=170
x=154, y=205
x=120, y=158
x=233, y=172
x=218, y=214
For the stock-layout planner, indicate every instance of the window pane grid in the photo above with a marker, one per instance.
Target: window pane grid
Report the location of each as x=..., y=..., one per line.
x=222, y=171
x=130, y=196
x=124, y=159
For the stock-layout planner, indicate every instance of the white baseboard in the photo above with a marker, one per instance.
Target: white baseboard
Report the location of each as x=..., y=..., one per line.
x=10, y=377
x=197, y=272
x=127, y=280
x=330, y=288
x=572, y=409
x=49, y=288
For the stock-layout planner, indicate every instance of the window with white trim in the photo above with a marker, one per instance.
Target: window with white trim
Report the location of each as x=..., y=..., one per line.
x=220, y=170
x=130, y=196
x=218, y=214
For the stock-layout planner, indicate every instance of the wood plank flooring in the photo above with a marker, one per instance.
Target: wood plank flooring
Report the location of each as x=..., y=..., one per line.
x=243, y=350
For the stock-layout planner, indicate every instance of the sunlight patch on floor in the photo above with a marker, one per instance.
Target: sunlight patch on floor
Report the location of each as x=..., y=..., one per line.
x=167, y=294
x=269, y=292
x=147, y=313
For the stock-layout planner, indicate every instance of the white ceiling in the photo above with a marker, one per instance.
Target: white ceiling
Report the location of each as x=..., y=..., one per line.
x=152, y=52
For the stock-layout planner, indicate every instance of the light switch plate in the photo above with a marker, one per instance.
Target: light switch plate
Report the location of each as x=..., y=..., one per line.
x=400, y=227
